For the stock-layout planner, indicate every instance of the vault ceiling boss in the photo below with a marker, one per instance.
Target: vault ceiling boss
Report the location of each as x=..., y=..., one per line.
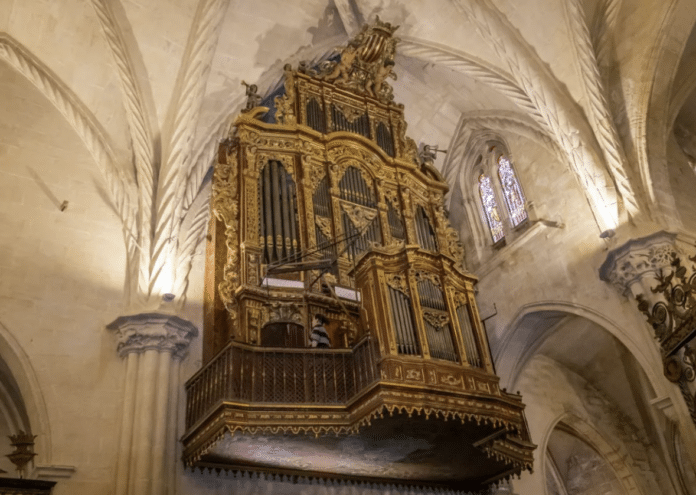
x=323, y=211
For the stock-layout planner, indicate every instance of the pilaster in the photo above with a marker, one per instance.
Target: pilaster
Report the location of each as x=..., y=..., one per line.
x=152, y=345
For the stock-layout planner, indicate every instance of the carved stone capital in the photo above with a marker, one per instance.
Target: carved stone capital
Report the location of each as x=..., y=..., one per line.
x=153, y=331
x=637, y=259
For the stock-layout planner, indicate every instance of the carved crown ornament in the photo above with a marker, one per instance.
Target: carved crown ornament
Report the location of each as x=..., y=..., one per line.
x=366, y=62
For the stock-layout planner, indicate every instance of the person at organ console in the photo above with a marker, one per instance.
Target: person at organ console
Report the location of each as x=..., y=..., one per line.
x=320, y=337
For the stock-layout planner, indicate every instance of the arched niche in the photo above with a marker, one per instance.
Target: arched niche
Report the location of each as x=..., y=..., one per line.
x=578, y=460
x=574, y=365
x=22, y=406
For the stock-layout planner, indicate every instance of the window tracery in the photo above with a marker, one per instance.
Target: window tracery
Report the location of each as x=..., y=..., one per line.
x=490, y=208
x=512, y=192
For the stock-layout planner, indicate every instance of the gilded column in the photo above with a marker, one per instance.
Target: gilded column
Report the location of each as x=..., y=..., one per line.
x=152, y=345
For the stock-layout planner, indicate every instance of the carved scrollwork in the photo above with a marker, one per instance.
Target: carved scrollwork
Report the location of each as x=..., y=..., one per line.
x=360, y=216
x=350, y=113
x=398, y=282
x=278, y=311
x=451, y=380
x=391, y=196
x=436, y=320
x=366, y=62
x=324, y=225
x=413, y=374
x=225, y=189
x=423, y=275
x=262, y=159
x=360, y=156
x=317, y=172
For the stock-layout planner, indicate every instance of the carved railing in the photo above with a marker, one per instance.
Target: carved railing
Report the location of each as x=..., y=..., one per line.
x=271, y=375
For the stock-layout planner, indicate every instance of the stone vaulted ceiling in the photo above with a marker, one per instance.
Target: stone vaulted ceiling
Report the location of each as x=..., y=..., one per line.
x=148, y=88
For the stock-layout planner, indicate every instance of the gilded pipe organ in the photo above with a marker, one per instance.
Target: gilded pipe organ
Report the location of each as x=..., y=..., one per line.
x=321, y=205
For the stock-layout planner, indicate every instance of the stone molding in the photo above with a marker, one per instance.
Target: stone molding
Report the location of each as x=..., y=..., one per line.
x=153, y=331
x=637, y=258
x=53, y=472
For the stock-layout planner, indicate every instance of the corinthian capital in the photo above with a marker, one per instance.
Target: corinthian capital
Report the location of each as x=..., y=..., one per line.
x=148, y=331
x=638, y=259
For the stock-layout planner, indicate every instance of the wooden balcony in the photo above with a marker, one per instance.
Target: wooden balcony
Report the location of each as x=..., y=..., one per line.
x=314, y=403
x=276, y=376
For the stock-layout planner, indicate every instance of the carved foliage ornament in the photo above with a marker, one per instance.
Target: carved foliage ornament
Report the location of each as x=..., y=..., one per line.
x=360, y=216
x=226, y=209
x=284, y=312
x=637, y=258
x=436, y=320
x=398, y=282
x=324, y=225
x=421, y=275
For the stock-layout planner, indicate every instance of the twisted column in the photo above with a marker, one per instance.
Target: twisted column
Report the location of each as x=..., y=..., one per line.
x=600, y=116
x=152, y=345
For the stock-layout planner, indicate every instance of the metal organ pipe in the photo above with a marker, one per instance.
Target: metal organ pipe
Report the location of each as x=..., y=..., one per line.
x=267, y=233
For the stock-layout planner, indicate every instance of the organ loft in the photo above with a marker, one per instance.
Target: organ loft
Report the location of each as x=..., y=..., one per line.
x=322, y=206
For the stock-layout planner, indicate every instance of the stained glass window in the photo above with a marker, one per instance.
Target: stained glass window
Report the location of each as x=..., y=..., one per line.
x=514, y=199
x=490, y=206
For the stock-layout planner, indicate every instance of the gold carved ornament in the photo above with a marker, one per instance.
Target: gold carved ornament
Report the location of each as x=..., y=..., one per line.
x=434, y=278
x=360, y=216
x=366, y=62
x=285, y=105
x=226, y=209
x=398, y=282
x=324, y=225
x=436, y=320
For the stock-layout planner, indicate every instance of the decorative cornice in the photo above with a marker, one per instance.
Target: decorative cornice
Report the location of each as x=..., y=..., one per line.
x=629, y=263
x=153, y=331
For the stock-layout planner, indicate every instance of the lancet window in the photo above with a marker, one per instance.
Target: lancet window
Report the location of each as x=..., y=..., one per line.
x=278, y=230
x=490, y=208
x=500, y=195
x=512, y=192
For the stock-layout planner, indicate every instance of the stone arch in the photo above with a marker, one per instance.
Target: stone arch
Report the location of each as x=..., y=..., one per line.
x=520, y=343
x=32, y=400
x=590, y=435
x=653, y=131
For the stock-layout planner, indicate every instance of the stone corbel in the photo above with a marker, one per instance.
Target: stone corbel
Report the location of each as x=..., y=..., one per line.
x=632, y=267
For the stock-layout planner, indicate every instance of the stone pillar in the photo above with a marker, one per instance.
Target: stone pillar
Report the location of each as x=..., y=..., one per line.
x=152, y=345
x=634, y=269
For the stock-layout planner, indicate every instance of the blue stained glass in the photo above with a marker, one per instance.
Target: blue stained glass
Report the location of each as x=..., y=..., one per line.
x=490, y=206
x=514, y=199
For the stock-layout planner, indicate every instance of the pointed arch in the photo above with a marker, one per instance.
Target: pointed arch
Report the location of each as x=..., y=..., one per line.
x=32, y=400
